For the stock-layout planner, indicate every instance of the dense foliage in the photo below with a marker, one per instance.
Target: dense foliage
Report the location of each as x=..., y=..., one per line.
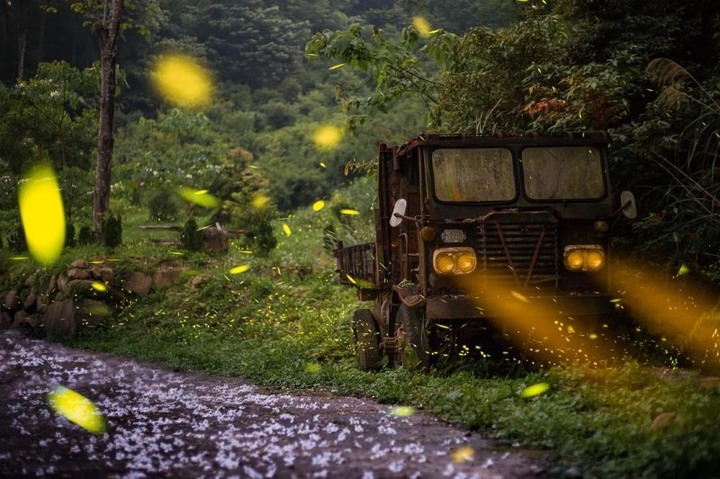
x=267, y=99
x=569, y=66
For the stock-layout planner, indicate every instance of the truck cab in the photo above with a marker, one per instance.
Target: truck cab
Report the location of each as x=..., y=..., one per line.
x=480, y=239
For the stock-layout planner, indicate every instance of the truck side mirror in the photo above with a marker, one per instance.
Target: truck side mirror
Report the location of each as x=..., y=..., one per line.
x=628, y=205
x=398, y=212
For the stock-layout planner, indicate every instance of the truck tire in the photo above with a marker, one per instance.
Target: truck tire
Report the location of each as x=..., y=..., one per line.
x=367, y=340
x=416, y=345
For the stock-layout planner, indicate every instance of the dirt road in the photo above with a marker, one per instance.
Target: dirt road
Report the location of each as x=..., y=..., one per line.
x=167, y=424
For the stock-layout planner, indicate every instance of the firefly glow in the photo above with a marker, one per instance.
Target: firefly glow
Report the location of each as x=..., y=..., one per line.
x=240, y=269
x=313, y=368
x=535, y=390
x=287, y=230
x=42, y=214
x=683, y=270
x=77, y=409
x=327, y=137
x=463, y=454
x=519, y=297
x=421, y=25
x=260, y=201
x=199, y=197
x=182, y=80
x=318, y=205
x=402, y=411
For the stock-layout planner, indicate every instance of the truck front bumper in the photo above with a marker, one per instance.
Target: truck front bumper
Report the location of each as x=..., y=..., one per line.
x=467, y=307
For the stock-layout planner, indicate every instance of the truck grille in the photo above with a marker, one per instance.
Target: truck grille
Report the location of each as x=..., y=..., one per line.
x=519, y=250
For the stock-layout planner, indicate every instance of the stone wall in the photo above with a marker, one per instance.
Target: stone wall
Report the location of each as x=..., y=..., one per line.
x=82, y=296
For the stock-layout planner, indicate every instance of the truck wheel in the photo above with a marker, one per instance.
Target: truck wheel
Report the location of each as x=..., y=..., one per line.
x=367, y=340
x=416, y=344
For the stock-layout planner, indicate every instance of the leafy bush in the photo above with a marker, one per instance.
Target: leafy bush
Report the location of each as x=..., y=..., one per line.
x=162, y=206
x=112, y=230
x=85, y=237
x=190, y=237
x=262, y=236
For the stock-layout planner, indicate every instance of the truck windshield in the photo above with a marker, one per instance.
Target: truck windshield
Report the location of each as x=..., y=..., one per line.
x=473, y=174
x=563, y=173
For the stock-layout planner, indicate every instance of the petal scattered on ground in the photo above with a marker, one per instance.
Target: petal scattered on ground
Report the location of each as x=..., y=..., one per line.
x=164, y=423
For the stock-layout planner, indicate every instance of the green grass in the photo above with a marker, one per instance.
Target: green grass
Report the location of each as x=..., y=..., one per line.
x=285, y=323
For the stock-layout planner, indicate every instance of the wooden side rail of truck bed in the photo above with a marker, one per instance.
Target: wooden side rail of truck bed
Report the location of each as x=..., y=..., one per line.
x=356, y=265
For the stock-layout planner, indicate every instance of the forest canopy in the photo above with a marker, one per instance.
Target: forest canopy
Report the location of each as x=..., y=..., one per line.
x=645, y=71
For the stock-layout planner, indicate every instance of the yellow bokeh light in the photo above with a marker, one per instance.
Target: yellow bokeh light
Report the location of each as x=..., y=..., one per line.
x=42, y=214
x=327, y=137
x=683, y=270
x=463, y=454
x=421, y=25
x=402, y=411
x=535, y=390
x=349, y=212
x=313, y=368
x=240, y=269
x=98, y=286
x=199, y=197
x=99, y=310
x=318, y=205
x=182, y=80
x=260, y=201
x=519, y=297
x=287, y=229
x=77, y=409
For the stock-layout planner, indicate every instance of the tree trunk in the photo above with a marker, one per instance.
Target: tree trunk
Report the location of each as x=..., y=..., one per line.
x=22, y=44
x=107, y=31
x=18, y=15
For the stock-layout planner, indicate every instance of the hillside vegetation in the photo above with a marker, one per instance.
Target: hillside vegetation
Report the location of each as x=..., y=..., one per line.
x=280, y=149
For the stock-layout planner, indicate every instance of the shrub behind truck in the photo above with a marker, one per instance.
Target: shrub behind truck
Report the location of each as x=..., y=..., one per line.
x=485, y=244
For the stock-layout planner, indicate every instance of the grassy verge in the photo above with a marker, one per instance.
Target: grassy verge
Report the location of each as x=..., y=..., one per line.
x=285, y=323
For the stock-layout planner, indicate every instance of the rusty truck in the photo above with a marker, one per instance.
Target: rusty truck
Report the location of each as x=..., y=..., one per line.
x=482, y=241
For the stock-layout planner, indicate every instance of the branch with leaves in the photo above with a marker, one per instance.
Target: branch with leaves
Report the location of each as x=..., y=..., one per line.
x=410, y=65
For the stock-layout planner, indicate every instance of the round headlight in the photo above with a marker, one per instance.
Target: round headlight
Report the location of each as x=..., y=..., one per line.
x=574, y=261
x=454, y=260
x=595, y=260
x=466, y=262
x=444, y=264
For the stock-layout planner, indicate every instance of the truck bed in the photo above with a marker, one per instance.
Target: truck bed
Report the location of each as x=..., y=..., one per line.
x=356, y=265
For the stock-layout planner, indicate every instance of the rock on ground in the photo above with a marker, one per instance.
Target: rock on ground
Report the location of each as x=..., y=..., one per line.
x=167, y=424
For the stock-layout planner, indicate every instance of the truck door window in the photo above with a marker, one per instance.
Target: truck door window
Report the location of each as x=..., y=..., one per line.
x=563, y=173
x=473, y=174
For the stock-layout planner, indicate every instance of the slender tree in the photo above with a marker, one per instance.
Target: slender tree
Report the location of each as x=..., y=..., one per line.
x=17, y=17
x=107, y=29
x=108, y=20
